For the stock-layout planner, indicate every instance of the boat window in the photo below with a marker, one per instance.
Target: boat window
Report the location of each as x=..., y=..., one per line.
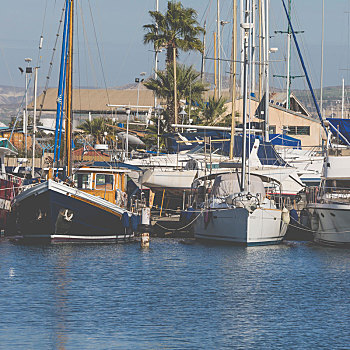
x=337, y=185
x=82, y=181
x=104, y=181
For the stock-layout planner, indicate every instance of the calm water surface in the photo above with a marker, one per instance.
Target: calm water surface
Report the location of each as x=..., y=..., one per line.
x=174, y=296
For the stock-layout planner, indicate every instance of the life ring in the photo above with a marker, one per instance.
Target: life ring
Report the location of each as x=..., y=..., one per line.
x=67, y=217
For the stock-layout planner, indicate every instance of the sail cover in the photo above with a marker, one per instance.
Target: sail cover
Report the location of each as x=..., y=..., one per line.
x=285, y=140
x=340, y=128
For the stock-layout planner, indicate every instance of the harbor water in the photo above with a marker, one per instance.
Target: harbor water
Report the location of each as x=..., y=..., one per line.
x=174, y=296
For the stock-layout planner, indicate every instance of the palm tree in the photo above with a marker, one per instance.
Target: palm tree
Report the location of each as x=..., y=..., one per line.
x=213, y=109
x=189, y=87
x=96, y=128
x=177, y=29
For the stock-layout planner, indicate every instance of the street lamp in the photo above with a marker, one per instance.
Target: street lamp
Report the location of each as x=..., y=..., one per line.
x=28, y=70
x=139, y=81
x=183, y=115
x=158, y=112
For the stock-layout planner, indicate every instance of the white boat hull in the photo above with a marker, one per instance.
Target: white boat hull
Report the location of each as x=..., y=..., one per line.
x=332, y=225
x=237, y=225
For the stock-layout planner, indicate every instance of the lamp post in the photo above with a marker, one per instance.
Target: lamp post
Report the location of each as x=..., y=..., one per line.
x=28, y=70
x=139, y=81
x=183, y=115
x=127, y=132
x=158, y=112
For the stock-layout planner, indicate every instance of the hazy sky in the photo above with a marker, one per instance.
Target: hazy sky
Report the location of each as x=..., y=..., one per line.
x=119, y=31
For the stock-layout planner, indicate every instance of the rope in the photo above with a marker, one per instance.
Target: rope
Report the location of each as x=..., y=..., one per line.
x=181, y=228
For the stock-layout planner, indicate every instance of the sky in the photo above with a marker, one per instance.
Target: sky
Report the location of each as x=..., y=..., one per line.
x=121, y=56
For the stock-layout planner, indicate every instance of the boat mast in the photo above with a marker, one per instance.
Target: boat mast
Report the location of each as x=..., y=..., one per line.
x=156, y=59
x=267, y=86
x=342, y=99
x=215, y=70
x=246, y=26
x=34, y=119
x=322, y=49
x=219, y=47
x=260, y=49
x=203, y=53
x=69, y=118
x=233, y=71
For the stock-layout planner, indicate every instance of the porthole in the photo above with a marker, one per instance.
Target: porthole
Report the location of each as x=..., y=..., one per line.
x=322, y=215
x=332, y=214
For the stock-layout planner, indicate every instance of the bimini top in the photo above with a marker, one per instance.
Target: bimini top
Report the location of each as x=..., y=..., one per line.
x=6, y=147
x=229, y=183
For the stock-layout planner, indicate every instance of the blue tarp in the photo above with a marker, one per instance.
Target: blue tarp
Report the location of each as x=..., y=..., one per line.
x=285, y=140
x=340, y=128
x=266, y=153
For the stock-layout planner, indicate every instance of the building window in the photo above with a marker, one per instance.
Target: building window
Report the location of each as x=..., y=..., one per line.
x=297, y=130
x=82, y=181
x=104, y=182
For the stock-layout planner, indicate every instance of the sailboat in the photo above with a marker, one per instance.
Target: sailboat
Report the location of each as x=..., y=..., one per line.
x=236, y=208
x=80, y=205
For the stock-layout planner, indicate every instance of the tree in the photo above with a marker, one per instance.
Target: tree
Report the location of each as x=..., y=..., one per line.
x=177, y=28
x=189, y=88
x=96, y=128
x=213, y=109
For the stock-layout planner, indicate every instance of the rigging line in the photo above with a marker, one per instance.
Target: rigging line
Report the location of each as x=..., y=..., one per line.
x=87, y=44
x=99, y=53
x=78, y=56
x=51, y=64
x=85, y=60
x=41, y=36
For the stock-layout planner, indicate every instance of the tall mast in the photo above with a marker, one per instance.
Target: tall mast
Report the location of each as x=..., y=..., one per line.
x=69, y=118
x=246, y=26
x=233, y=71
x=342, y=99
x=215, y=69
x=203, y=53
x=34, y=119
x=260, y=49
x=322, y=49
x=267, y=86
x=253, y=46
x=289, y=39
x=156, y=59
x=219, y=47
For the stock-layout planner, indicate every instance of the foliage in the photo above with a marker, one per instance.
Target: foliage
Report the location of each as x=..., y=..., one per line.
x=189, y=88
x=96, y=128
x=213, y=109
x=177, y=28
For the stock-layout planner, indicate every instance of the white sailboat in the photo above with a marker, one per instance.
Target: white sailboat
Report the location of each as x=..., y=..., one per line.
x=330, y=208
x=236, y=208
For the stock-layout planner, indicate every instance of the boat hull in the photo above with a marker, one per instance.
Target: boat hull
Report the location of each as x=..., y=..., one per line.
x=331, y=223
x=239, y=226
x=58, y=213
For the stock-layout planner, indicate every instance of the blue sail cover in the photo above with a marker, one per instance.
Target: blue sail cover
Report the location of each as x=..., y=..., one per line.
x=221, y=140
x=285, y=140
x=340, y=128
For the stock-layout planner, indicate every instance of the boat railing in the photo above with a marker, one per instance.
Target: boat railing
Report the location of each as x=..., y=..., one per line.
x=327, y=194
